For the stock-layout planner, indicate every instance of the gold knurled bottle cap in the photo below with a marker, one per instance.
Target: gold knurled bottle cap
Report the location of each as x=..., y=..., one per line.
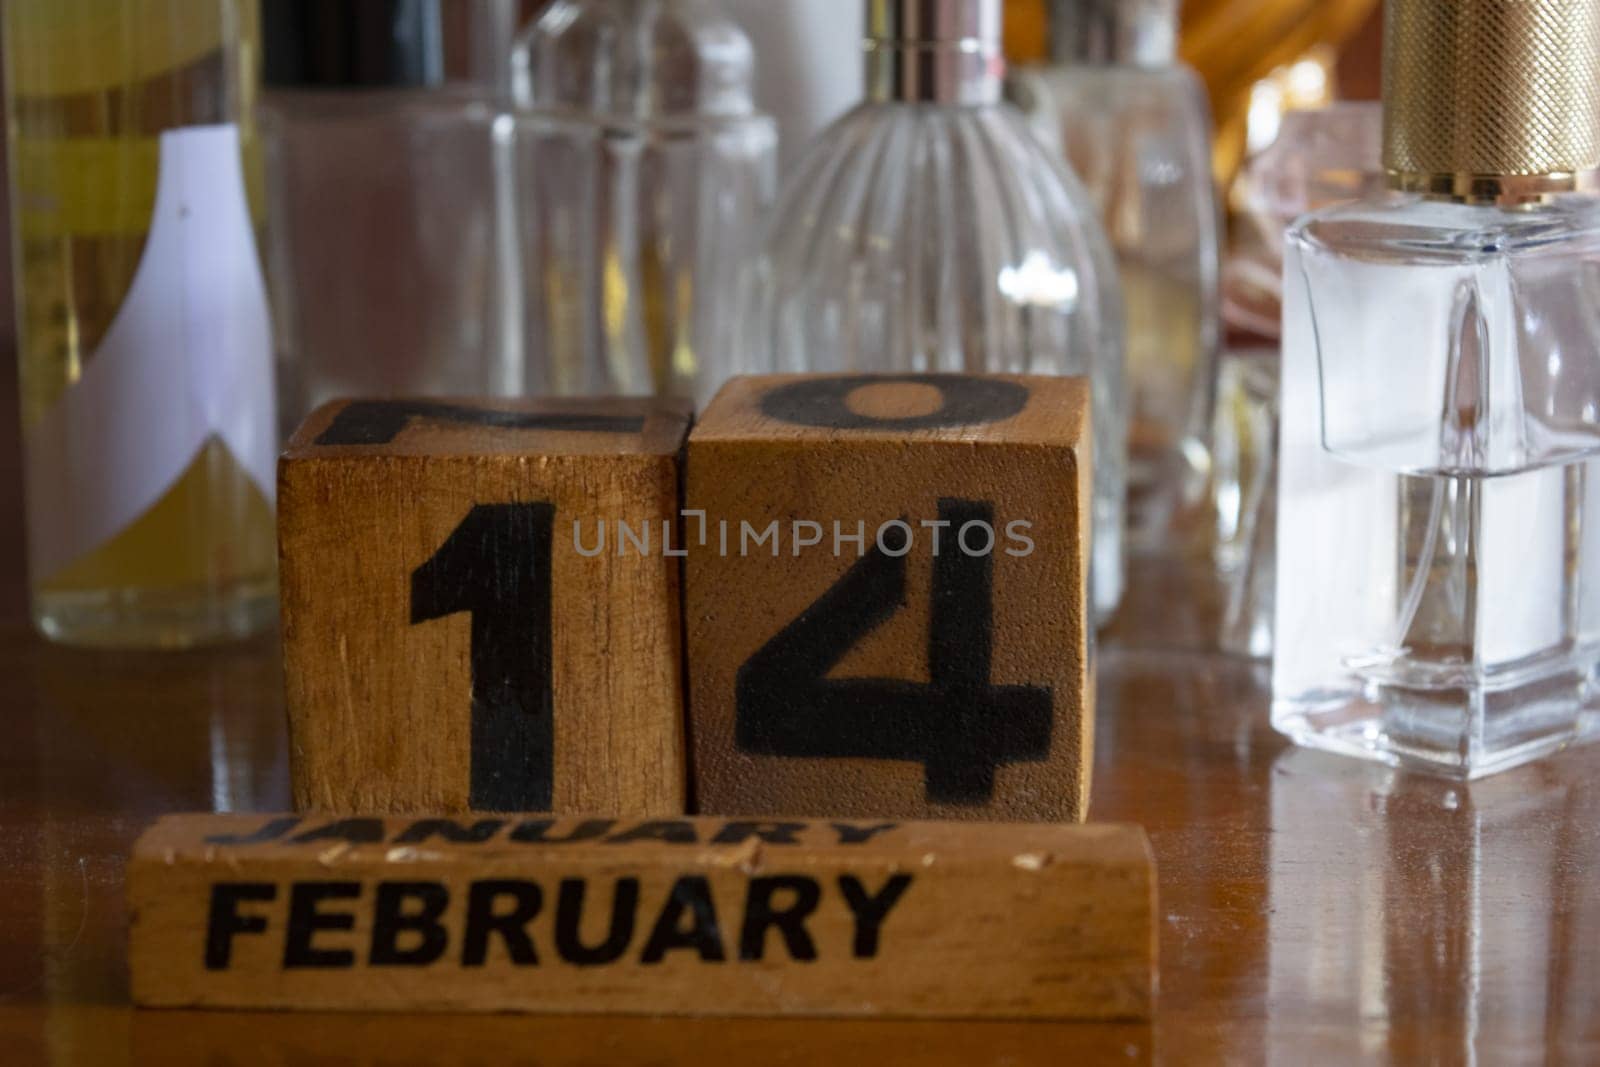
x=1491, y=99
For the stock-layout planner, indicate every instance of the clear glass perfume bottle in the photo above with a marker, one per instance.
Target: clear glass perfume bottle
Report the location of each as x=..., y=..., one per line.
x=1136, y=126
x=929, y=230
x=1322, y=157
x=392, y=250
x=1438, y=599
x=644, y=170
x=145, y=346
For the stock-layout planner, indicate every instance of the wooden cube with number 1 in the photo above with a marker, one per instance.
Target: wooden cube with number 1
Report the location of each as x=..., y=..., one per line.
x=885, y=600
x=447, y=645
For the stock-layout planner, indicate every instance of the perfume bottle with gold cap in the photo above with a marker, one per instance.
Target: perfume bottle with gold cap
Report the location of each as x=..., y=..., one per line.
x=1438, y=600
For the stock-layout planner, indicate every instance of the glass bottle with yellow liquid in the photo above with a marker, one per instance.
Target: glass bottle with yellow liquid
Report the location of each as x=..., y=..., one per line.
x=144, y=332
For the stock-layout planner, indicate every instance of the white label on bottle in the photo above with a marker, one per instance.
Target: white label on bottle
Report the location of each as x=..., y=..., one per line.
x=188, y=357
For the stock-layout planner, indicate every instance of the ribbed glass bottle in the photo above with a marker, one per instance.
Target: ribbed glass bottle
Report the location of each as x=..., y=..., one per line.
x=930, y=231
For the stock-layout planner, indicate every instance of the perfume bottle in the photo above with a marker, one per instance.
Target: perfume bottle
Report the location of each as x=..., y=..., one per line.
x=392, y=251
x=1438, y=590
x=644, y=168
x=1322, y=157
x=1136, y=126
x=145, y=351
x=929, y=230
x=492, y=26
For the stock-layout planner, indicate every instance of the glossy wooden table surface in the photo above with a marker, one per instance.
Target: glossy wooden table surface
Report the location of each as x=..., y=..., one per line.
x=1314, y=910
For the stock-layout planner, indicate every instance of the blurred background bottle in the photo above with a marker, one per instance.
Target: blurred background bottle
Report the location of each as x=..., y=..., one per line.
x=644, y=171
x=392, y=252
x=1136, y=127
x=1321, y=157
x=809, y=72
x=929, y=230
x=144, y=336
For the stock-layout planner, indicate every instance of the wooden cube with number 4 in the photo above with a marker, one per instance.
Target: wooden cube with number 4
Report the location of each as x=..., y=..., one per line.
x=447, y=645
x=885, y=600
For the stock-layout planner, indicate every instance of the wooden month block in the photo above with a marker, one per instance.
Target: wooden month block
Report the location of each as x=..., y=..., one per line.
x=674, y=916
x=887, y=616
x=448, y=645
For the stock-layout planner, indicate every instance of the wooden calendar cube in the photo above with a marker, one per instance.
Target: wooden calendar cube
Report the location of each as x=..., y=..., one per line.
x=481, y=606
x=885, y=601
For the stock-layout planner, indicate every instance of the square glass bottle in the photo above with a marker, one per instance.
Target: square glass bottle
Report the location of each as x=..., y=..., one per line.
x=393, y=244
x=1438, y=601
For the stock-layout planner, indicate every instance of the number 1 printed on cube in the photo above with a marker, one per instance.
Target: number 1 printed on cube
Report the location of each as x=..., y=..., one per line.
x=447, y=644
